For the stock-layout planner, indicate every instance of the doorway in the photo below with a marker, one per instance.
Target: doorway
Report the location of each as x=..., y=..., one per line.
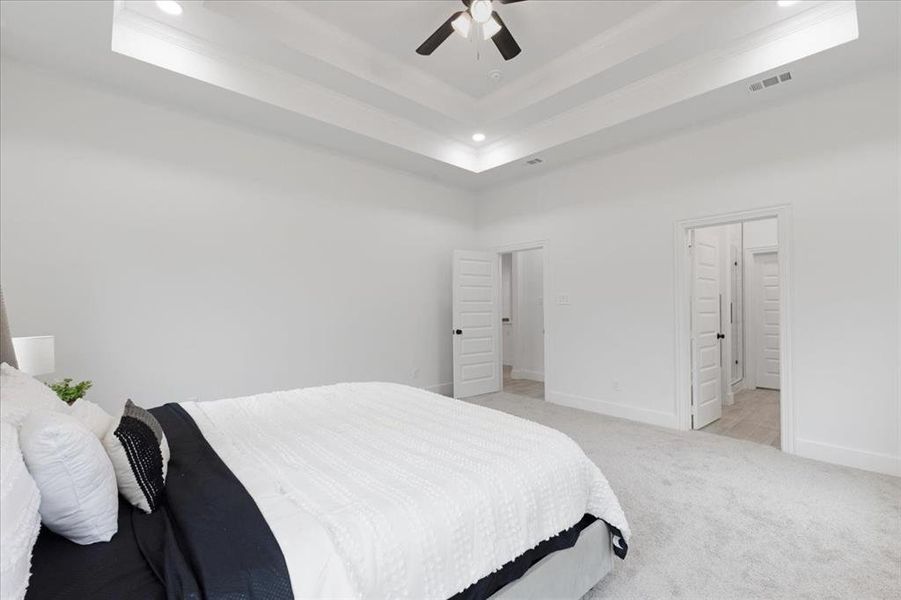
x=496, y=294
x=522, y=322
x=732, y=327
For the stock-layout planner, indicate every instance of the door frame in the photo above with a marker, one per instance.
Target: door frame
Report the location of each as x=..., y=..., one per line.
x=682, y=285
x=545, y=301
x=751, y=272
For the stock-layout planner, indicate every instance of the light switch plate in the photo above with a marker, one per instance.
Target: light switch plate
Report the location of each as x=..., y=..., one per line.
x=563, y=299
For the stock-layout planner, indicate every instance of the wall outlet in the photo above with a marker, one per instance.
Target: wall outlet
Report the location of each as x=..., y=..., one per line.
x=563, y=299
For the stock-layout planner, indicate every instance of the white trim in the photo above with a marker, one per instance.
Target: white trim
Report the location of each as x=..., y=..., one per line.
x=761, y=249
x=526, y=374
x=613, y=409
x=849, y=457
x=729, y=399
x=682, y=271
x=545, y=283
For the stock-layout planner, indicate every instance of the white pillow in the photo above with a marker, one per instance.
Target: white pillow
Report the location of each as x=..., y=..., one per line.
x=19, y=517
x=74, y=475
x=92, y=416
x=20, y=394
x=140, y=453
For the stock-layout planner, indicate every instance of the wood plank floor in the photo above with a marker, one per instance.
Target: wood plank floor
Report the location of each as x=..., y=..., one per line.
x=754, y=416
x=522, y=387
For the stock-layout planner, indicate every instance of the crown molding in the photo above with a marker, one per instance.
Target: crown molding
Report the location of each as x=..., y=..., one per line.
x=748, y=39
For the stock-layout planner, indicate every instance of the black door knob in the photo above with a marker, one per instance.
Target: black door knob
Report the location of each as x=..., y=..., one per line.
x=458, y=332
x=721, y=336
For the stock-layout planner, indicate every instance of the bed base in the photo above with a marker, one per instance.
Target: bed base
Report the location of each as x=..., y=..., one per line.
x=565, y=574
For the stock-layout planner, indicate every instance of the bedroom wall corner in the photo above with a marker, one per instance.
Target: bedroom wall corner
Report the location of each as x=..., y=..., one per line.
x=610, y=220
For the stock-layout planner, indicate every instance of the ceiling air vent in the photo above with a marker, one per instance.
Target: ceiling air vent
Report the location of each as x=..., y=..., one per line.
x=534, y=161
x=770, y=81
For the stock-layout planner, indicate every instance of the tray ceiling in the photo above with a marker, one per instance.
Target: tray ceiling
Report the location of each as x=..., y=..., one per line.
x=346, y=72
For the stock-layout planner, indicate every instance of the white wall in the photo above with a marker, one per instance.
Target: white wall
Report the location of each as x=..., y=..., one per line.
x=528, y=315
x=833, y=157
x=763, y=233
x=174, y=256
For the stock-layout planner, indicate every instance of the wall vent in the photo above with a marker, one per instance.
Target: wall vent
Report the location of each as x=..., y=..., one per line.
x=534, y=161
x=770, y=81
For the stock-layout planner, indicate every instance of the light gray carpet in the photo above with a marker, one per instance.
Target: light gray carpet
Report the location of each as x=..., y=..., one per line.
x=715, y=517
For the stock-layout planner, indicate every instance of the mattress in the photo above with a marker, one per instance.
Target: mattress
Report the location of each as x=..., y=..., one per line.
x=382, y=490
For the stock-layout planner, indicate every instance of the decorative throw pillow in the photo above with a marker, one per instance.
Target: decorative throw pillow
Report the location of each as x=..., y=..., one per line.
x=92, y=416
x=20, y=394
x=140, y=455
x=74, y=475
x=19, y=517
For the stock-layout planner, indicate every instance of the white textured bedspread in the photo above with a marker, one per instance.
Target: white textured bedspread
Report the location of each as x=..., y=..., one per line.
x=380, y=490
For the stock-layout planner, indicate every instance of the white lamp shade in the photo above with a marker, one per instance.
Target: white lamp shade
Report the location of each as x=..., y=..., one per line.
x=462, y=24
x=35, y=354
x=490, y=28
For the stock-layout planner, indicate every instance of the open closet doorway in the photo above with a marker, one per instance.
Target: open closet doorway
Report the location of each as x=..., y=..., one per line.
x=734, y=302
x=522, y=322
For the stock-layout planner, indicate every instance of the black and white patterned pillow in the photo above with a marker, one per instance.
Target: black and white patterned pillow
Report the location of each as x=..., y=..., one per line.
x=139, y=452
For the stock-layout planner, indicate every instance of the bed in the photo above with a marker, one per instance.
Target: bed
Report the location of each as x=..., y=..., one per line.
x=369, y=490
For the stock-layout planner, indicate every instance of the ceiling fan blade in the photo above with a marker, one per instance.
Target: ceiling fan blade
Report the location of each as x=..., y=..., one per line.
x=441, y=34
x=508, y=1
x=504, y=41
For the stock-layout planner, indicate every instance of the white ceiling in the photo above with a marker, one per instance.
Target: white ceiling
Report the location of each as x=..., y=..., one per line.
x=344, y=75
x=545, y=29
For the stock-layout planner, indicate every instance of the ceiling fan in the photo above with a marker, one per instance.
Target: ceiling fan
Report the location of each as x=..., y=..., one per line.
x=481, y=14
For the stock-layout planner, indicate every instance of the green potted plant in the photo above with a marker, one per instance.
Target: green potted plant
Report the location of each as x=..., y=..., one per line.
x=69, y=393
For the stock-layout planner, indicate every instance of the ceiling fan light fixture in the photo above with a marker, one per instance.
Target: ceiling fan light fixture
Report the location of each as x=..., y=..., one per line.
x=478, y=137
x=462, y=24
x=490, y=28
x=481, y=11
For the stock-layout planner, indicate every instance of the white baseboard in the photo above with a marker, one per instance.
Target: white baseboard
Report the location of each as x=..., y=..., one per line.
x=445, y=389
x=849, y=457
x=526, y=374
x=730, y=398
x=614, y=409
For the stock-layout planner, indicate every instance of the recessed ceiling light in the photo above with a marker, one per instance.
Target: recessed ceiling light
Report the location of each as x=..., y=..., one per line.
x=170, y=7
x=786, y=3
x=478, y=137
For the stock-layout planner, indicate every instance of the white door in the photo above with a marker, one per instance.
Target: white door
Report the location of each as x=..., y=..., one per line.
x=767, y=321
x=476, y=323
x=707, y=403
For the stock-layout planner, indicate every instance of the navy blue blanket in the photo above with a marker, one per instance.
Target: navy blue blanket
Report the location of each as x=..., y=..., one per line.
x=207, y=540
